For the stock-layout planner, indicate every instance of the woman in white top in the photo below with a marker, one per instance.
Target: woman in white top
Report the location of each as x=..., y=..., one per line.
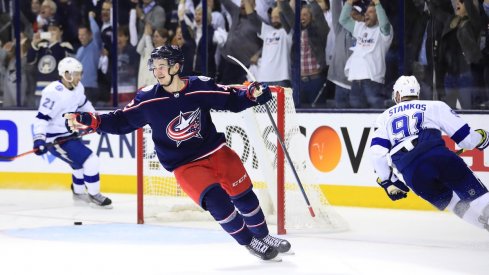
x=150, y=40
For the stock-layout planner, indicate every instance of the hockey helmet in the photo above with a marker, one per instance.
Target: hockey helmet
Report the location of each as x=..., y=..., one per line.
x=70, y=65
x=405, y=86
x=172, y=53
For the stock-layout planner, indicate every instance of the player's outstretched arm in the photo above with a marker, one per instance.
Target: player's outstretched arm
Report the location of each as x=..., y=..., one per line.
x=396, y=190
x=82, y=122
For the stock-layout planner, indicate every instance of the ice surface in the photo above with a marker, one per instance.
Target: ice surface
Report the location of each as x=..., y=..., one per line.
x=37, y=236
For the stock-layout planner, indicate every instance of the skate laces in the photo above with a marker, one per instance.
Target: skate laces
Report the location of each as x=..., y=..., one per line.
x=258, y=245
x=272, y=241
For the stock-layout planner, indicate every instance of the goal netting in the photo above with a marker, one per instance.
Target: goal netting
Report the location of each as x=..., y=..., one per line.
x=251, y=134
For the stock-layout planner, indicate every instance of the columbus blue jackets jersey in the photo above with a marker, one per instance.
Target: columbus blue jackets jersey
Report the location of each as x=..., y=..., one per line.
x=410, y=120
x=182, y=128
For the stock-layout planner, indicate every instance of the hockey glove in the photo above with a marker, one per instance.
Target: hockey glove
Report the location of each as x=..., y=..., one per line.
x=395, y=190
x=40, y=146
x=82, y=122
x=484, y=140
x=260, y=93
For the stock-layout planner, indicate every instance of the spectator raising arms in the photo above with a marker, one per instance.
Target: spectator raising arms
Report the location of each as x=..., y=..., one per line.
x=314, y=30
x=366, y=66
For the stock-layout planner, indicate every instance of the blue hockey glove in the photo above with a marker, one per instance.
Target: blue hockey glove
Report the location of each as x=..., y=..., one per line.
x=81, y=122
x=260, y=93
x=484, y=140
x=395, y=190
x=40, y=146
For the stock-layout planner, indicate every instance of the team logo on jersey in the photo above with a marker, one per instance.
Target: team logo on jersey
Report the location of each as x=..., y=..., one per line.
x=184, y=127
x=46, y=64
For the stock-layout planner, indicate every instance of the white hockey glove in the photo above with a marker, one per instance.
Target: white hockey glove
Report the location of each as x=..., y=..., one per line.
x=396, y=190
x=484, y=140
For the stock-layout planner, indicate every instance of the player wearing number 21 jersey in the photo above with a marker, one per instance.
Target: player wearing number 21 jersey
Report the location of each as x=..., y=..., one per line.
x=59, y=97
x=409, y=139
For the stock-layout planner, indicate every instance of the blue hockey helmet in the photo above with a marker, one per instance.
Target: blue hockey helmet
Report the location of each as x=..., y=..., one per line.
x=172, y=53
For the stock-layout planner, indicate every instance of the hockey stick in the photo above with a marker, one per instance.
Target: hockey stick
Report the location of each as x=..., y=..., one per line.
x=280, y=140
x=460, y=151
x=48, y=145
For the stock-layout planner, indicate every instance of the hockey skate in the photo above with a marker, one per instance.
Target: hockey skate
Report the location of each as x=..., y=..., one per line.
x=262, y=250
x=484, y=218
x=79, y=199
x=282, y=246
x=100, y=201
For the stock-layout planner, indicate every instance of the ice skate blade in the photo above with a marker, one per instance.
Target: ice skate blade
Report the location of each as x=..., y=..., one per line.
x=80, y=203
x=96, y=206
x=288, y=253
x=276, y=259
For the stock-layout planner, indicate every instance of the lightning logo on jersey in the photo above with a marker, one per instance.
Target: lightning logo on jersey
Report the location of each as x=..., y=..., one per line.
x=184, y=127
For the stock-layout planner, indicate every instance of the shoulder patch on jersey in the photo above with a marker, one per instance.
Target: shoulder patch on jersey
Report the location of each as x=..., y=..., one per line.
x=147, y=88
x=59, y=87
x=203, y=78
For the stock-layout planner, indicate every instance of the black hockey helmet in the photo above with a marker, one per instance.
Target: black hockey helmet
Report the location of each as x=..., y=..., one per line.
x=172, y=53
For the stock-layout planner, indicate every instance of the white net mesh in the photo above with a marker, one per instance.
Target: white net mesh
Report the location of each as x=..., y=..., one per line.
x=251, y=134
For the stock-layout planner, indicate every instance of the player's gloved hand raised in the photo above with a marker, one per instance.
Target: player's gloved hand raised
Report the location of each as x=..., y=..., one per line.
x=484, y=140
x=395, y=190
x=40, y=147
x=82, y=122
x=258, y=92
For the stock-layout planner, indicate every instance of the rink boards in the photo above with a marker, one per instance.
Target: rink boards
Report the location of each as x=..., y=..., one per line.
x=333, y=145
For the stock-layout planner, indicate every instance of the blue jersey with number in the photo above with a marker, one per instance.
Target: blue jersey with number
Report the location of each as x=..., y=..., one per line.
x=413, y=119
x=181, y=124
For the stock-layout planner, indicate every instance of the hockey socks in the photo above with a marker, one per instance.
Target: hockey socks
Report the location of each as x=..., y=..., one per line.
x=219, y=205
x=250, y=209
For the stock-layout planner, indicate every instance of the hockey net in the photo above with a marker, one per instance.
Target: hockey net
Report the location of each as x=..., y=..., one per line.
x=251, y=134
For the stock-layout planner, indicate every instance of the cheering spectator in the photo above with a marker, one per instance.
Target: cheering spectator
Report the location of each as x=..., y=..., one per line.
x=242, y=41
x=366, y=66
x=459, y=51
x=150, y=13
x=8, y=74
x=46, y=51
x=314, y=30
x=89, y=54
x=145, y=47
x=277, y=43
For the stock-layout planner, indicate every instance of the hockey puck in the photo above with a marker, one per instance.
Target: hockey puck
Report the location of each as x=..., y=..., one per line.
x=77, y=223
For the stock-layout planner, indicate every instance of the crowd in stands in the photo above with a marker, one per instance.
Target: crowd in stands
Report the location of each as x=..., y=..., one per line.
x=351, y=51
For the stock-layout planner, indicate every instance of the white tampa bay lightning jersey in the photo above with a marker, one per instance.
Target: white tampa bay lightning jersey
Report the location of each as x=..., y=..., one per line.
x=55, y=101
x=405, y=120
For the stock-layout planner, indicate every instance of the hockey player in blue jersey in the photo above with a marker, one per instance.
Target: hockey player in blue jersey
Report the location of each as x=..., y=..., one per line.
x=409, y=139
x=59, y=97
x=186, y=142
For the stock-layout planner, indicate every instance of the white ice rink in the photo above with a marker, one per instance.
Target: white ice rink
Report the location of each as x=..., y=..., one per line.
x=37, y=236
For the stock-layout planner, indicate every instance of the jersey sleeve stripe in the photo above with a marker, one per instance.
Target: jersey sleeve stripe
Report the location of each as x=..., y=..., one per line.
x=43, y=117
x=142, y=103
x=85, y=102
x=207, y=92
x=381, y=142
x=461, y=133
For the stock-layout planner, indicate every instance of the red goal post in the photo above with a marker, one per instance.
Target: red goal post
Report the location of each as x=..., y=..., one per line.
x=252, y=136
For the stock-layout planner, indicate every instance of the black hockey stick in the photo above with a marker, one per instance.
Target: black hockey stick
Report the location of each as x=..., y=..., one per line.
x=280, y=140
x=48, y=145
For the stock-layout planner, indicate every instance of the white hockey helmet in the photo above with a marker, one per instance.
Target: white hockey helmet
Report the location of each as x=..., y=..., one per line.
x=405, y=86
x=70, y=65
